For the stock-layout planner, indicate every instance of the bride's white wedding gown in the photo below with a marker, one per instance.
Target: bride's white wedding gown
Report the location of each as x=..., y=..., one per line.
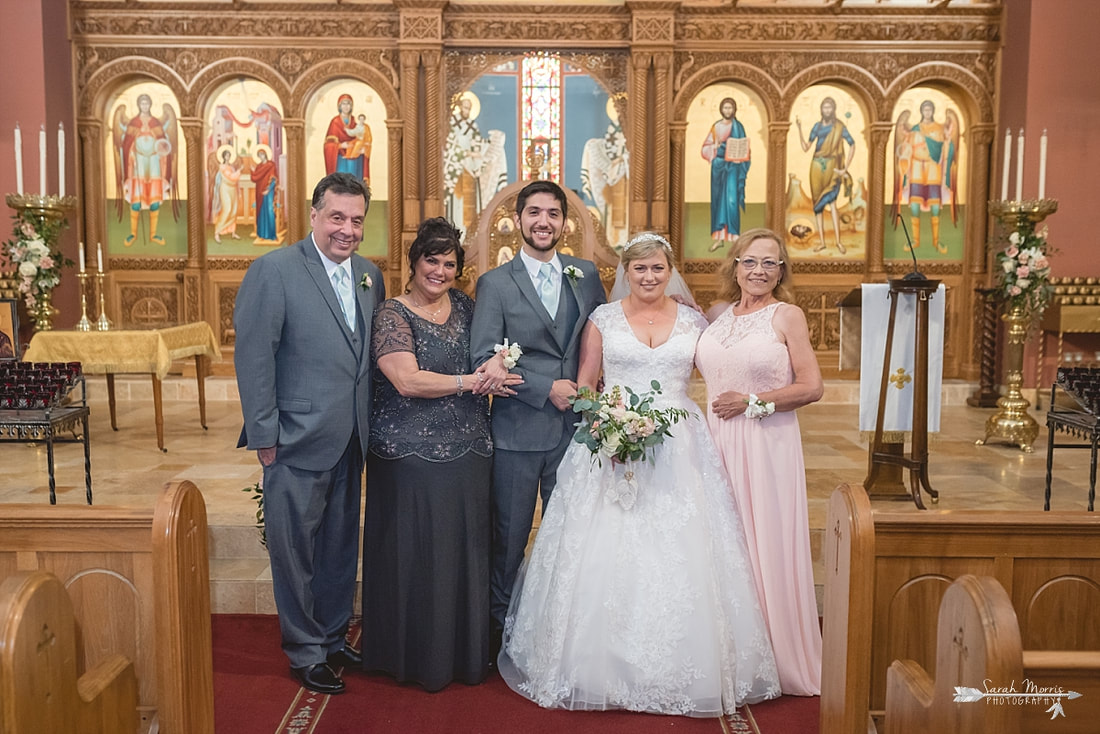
x=648, y=606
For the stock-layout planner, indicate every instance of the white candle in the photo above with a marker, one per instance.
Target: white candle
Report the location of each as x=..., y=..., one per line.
x=1006, y=164
x=18, y=160
x=1043, y=165
x=1020, y=166
x=60, y=159
x=80, y=252
x=99, y=256
x=42, y=160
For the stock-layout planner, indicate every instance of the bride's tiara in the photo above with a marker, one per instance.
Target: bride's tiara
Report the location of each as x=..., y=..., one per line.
x=647, y=237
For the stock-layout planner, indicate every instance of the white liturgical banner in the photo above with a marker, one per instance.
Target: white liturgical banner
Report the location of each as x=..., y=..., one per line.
x=899, y=393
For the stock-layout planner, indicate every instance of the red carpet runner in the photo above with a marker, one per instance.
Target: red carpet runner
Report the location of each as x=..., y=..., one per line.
x=254, y=694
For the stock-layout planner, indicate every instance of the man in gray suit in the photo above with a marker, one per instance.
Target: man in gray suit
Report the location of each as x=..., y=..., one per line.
x=303, y=319
x=541, y=301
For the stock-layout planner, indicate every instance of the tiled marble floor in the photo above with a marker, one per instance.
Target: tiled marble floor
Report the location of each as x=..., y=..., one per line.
x=128, y=469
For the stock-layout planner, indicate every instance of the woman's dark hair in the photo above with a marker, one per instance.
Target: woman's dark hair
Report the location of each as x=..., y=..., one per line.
x=436, y=236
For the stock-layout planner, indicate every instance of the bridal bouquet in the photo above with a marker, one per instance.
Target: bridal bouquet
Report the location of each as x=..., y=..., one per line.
x=622, y=425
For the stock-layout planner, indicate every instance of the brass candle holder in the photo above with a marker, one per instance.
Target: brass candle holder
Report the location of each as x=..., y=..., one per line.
x=103, y=324
x=1012, y=422
x=84, y=324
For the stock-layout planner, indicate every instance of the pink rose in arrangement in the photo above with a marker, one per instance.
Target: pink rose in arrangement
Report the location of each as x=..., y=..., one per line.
x=28, y=231
x=1014, y=290
x=1023, y=271
x=1041, y=262
x=1012, y=251
x=47, y=262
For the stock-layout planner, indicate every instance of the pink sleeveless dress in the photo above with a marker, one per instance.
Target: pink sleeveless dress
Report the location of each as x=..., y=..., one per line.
x=766, y=470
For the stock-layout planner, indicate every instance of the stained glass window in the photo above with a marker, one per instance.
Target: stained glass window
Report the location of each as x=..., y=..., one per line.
x=541, y=124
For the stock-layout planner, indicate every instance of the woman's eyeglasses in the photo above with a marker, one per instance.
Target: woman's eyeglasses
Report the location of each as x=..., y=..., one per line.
x=751, y=263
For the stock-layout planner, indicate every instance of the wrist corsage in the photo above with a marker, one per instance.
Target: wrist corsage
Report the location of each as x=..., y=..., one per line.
x=573, y=272
x=510, y=352
x=758, y=408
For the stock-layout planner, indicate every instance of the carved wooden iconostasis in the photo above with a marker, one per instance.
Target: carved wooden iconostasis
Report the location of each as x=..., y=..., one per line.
x=840, y=123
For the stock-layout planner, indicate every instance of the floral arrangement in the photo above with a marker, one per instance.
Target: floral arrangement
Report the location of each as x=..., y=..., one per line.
x=1024, y=275
x=510, y=353
x=622, y=425
x=38, y=265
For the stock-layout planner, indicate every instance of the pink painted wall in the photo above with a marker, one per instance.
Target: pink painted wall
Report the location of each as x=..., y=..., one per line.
x=36, y=87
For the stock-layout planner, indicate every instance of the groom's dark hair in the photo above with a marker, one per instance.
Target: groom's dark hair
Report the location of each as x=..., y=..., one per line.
x=541, y=187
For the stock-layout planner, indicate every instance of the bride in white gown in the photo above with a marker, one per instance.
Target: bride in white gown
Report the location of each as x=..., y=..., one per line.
x=647, y=606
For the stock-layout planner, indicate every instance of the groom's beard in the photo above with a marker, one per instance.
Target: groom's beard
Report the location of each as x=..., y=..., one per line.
x=535, y=246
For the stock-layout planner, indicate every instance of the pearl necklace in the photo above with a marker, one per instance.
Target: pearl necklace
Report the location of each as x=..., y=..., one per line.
x=431, y=314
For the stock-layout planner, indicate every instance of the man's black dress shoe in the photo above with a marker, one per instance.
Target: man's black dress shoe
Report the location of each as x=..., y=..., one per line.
x=319, y=678
x=349, y=657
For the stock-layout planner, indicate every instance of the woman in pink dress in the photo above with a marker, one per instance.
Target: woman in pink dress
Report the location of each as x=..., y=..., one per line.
x=759, y=367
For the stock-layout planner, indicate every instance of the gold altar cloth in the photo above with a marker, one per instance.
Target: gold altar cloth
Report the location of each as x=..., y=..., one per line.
x=108, y=352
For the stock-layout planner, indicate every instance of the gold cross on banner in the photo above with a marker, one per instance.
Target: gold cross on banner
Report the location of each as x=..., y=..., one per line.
x=900, y=379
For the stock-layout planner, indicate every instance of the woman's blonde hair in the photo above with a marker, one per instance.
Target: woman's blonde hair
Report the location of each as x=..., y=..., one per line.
x=730, y=289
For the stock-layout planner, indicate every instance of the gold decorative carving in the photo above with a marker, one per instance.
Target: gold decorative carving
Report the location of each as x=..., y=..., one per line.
x=227, y=298
x=777, y=25
x=822, y=315
x=160, y=264
x=421, y=26
x=463, y=67
x=652, y=28
x=228, y=263
x=149, y=305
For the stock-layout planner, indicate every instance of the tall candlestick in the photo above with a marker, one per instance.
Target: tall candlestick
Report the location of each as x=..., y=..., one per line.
x=1043, y=165
x=1020, y=166
x=81, y=253
x=1007, y=163
x=60, y=159
x=18, y=160
x=42, y=160
x=99, y=256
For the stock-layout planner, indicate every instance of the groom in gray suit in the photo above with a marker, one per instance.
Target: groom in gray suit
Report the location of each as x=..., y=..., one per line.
x=303, y=319
x=541, y=301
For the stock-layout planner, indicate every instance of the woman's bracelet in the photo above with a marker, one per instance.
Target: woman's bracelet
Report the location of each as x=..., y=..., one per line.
x=758, y=409
x=458, y=384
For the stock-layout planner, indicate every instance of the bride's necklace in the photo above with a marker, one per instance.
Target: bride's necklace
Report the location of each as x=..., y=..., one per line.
x=431, y=314
x=650, y=318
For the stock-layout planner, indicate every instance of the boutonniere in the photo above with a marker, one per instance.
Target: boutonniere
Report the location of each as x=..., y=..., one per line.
x=573, y=272
x=366, y=282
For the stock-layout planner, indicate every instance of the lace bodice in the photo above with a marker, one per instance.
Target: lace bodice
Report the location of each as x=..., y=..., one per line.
x=435, y=429
x=743, y=353
x=631, y=363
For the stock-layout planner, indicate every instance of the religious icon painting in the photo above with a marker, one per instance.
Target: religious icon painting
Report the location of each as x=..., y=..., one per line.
x=725, y=168
x=346, y=131
x=146, y=182
x=9, y=329
x=926, y=166
x=827, y=166
x=244, y=185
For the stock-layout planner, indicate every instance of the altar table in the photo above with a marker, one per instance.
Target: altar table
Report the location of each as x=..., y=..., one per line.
x=147, y=351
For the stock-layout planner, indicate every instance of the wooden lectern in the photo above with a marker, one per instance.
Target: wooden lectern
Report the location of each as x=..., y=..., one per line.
x=879, y=455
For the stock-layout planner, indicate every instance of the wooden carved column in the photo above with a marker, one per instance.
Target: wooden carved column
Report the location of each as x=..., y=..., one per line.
x=395, y=251
x=434, y=116
x=298, y=211
x=91, y=165
x=980, y=137
x=410, y=159
x=876, y=205
x=662, y=72
x=193, y=297
x=775, y=214
x=638, y=142
x=677, y=131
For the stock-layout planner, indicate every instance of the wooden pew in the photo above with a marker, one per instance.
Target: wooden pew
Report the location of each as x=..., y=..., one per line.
x=139, y=581
x=978, y=640
x=39, y=688
x=886, y=573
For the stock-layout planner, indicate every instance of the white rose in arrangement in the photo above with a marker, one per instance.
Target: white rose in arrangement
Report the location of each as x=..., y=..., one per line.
x=28, y=269
x=1015, y=238
x=1023, y=283
x=611, y=443
x=37, y=248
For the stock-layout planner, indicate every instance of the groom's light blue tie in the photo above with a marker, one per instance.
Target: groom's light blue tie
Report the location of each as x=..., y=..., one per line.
x=548, y=294
x=342, y=282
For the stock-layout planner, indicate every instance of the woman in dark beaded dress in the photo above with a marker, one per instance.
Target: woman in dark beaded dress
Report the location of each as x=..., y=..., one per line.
x=426, y=536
